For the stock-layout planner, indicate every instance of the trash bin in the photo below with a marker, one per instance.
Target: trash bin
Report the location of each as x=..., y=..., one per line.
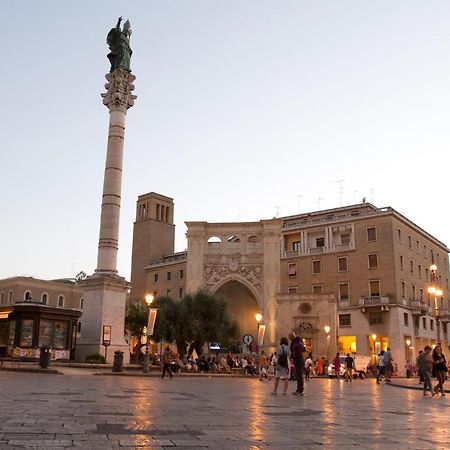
x=118, y=361
x=44, y=358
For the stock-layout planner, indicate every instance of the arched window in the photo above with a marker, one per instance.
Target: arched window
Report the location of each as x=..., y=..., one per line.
x=81, y=302
x=27, y=296
x=254, y=244
x=10, y=296
x=234, y=243
x=214, y=244
x=61, y=301
x=2, y=297
x=44, y=298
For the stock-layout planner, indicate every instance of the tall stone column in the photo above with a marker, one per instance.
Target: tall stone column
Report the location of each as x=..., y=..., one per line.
x=105, y=291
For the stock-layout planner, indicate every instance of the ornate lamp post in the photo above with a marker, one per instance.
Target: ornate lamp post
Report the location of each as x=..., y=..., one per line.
x=435, y=290
x=258, y=317
x=150, y=326
x=327, y=329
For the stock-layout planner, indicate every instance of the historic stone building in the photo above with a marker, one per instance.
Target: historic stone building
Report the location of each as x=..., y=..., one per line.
x=362, y=271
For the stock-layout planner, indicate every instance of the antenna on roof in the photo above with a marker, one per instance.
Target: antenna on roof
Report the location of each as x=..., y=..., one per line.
x=341, y=189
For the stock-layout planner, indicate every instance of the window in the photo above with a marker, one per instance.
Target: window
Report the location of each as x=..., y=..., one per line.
x=344, y=291
x=373, y=260
x=345, y=320
x=401, y=262
x=418, y=246
x=168, y=292
x=425, y=251
x=155, y=294
x=320, y=242
x=2, y=297
x=181, y=274
x=405, y=319
x=345, y=239
x=424, y=323
x=431, y=324
x=292, y=290
x=421, y=293
x=155, y=277
x=374, y=288
x=410, y=241
x=180, y=293
x=296, y=246
x=426, y=275
x=317, y=289
x=27, y=296
x=342, y=264
x=403, y=289
x=292, y=269
x=169, y=276
x=10, y=294
x=413, y=292
x=317, y=266
x=79, y=327
x=44, y=298
x=375, y=318
x=419, y=269
x=61, y=301
x=371, y=234
x=411, y=266
x=26, y=333
x=81, y=302
x=399, y=235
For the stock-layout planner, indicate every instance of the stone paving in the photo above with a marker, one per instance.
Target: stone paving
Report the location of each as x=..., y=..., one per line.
x=99, y=412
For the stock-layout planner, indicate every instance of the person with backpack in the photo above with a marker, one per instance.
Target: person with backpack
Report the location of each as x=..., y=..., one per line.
x=282, y=367
x=298, y=357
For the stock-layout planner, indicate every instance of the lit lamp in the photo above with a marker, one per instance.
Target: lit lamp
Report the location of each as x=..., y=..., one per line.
x=374, y=338
x=258, y=317
x=150, y=327
x=435, y=290
x=327, y=329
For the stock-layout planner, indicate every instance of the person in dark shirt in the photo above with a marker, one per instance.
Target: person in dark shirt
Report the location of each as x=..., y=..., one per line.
x=298, y=357
x=349, y=366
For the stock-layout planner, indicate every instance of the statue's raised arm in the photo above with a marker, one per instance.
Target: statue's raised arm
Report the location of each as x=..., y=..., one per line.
x=119, y=44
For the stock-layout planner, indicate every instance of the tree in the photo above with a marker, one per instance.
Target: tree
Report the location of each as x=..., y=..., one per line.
x=136, y=317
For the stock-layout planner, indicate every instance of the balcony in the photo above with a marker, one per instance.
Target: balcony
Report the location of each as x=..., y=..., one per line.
x=418, y=307
x=375, y=302
x=335, y=248
x=444, y=315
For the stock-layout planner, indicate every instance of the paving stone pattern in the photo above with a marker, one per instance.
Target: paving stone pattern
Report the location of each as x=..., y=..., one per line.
x=98, y=412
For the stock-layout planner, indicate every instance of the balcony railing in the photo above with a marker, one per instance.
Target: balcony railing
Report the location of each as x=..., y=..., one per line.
x=374, y=300
x=419, y=308
x=318, y=250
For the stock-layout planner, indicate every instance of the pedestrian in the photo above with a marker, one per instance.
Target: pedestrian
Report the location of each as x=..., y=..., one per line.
x=298, y=357
x=282, y=367
x=417, y=369
x=440, y=370
x=409, y=369
x=320, y=366
x=308, y=367
x=166, y=360
x=349, y=366
x=389, y=364
x=425, y=366
x=381, y=367
x=337, y=366
x=263, y=366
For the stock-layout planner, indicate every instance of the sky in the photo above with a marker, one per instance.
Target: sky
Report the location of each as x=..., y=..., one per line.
x=246, y=110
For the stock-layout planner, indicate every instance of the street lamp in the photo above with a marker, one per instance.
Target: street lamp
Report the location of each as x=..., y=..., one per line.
x=258, y=317
x=327, y=329
x=374, y=338
x=435, y=290
x=150, y=326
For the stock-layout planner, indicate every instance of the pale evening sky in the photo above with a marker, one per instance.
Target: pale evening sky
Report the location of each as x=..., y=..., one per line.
x=243, y=107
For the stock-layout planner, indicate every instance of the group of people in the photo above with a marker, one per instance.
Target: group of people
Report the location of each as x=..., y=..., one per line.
x=432, y=364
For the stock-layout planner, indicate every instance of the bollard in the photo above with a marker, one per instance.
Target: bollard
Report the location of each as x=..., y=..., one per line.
x=118, y=361
x=44, y=358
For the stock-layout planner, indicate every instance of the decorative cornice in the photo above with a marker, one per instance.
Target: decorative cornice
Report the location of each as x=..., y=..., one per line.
x=119, y=88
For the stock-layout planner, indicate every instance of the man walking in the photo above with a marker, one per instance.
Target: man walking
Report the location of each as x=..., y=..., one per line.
x=425, y=366
x=349, y=365
x=297, y=354
x=389, y=364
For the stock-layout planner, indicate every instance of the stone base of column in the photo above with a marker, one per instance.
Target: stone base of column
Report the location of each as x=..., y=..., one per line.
x=104, y=304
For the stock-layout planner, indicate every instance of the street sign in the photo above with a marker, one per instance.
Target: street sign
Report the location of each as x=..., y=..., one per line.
x=248, y=339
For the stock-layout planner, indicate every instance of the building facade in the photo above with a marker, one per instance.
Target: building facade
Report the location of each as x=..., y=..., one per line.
x=351, y=279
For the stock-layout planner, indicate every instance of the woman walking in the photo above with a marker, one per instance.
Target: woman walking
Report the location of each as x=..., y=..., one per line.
x=282, y=367
x=439, y=370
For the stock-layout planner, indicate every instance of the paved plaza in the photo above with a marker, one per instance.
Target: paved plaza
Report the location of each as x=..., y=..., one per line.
x=80, y=409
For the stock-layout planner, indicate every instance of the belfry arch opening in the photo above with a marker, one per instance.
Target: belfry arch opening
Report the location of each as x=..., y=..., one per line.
x=242, y=306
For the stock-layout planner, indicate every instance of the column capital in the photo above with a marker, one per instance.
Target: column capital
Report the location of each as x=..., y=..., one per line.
x=118, y=89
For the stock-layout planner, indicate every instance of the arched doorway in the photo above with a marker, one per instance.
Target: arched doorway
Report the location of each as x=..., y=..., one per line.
x=241, y=306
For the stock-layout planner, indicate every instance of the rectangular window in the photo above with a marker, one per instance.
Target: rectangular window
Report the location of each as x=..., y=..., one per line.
x=345, y=239
x=399, y=235
x=418, y=246
x=320, y=242
x=343, y=264
x=168, y=292
x=296, y=246
x=405, y=319
x=421, y=293
x=292, y=269
x=375, y=318
x=426, y=275
x=413, y=292
x=155, y=278
x=317, y=289
x=403, y=289
x=292, y=290
x=419, y=268
x=60, y=335
x=181, y=274
x=424, y=323
x=180, y=292
x=169, y=276
x=345, y=320
x=344, y=291
x=371, y=234
x=317, y=266
x=410, y=241
x=431, y=324
x=3, y=297
x=374, y=288
x=425, y=251
x=373, y=260
x=26, y=333
x=411, y=266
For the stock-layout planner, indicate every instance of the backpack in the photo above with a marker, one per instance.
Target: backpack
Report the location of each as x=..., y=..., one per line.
x=282, y=359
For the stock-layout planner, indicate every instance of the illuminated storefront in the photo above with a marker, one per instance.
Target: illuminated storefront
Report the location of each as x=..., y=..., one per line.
x=27, y=327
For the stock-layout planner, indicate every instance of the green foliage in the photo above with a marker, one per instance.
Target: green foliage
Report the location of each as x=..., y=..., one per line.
x=136, y=317
x=95, y=358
